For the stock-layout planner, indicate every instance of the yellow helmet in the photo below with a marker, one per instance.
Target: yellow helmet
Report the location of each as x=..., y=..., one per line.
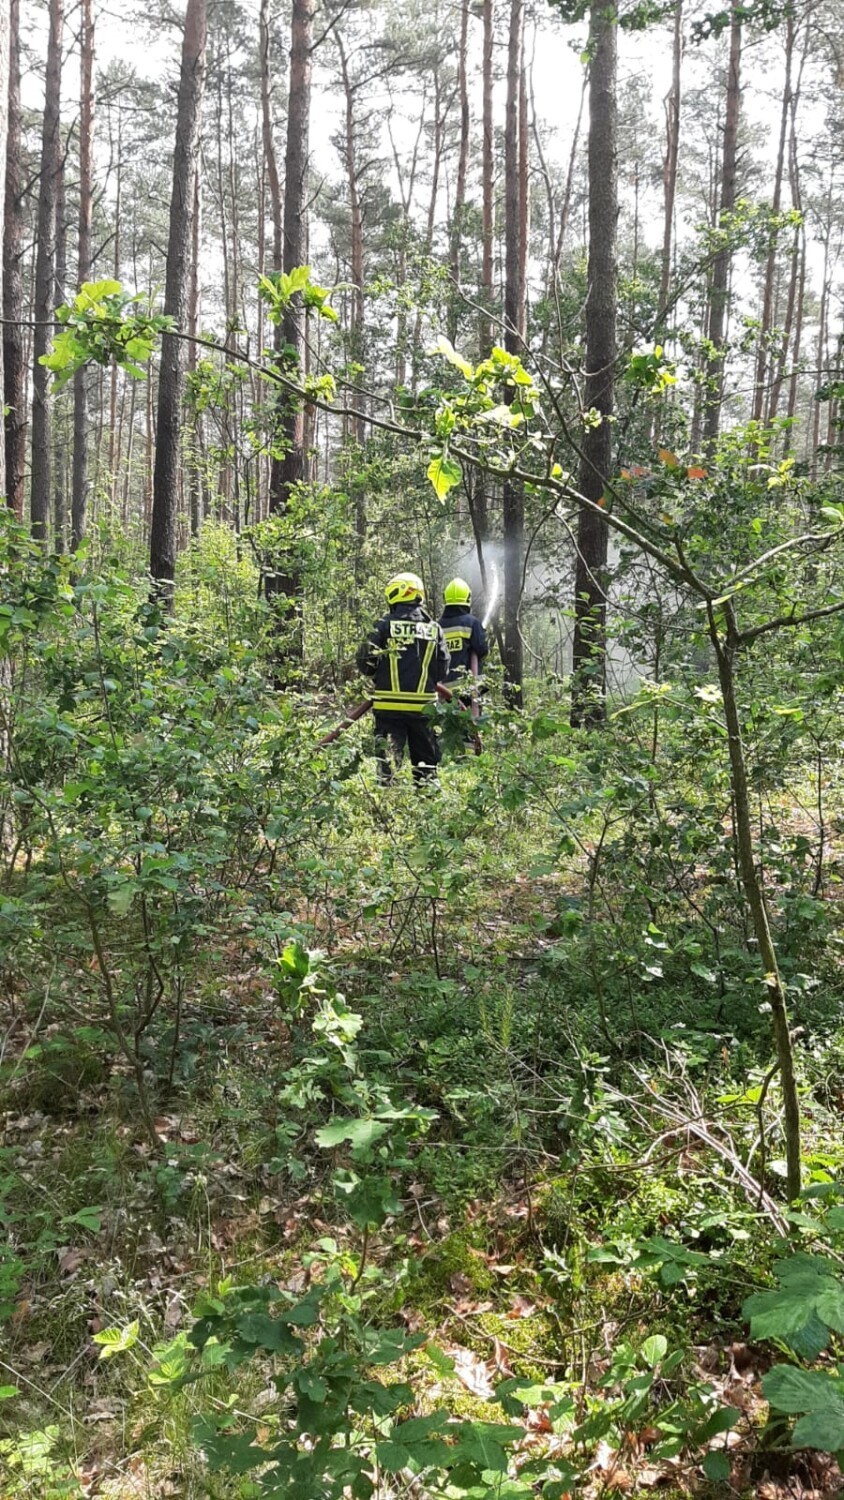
x=457, y=592
x=405, y=588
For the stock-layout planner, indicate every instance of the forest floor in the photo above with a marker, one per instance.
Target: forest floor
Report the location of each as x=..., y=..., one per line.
x=542, y=1222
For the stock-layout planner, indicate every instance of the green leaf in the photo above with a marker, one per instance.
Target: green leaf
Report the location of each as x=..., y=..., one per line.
x=501, y=416
x=721, y=1420
x=716, y=1467
x=86, y=1218
x=93, y=292
x=311, y=1386
x=822, y=1429
x=117, y=1340
x=359, y=1133
x=442, y=1362
x=810, y=1340
x=267, y=1333
x=444, y=474
x=371, y=1201
x=654, y=1349
x=392, y=1457
x=791, y=1390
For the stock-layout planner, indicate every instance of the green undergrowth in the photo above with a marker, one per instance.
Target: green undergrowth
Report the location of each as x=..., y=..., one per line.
x=490, y=1066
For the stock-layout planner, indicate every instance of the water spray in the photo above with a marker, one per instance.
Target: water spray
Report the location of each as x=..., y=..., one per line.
x=493, y=598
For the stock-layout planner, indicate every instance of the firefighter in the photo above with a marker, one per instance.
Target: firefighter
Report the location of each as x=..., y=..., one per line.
x=406, y=656
x=465, y=638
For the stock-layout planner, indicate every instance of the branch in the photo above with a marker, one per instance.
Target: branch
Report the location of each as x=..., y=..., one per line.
x=808, y=538
x=745, y=637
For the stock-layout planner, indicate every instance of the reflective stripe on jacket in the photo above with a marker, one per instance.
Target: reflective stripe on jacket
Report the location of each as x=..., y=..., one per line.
x=406, y=656
x=464, y=636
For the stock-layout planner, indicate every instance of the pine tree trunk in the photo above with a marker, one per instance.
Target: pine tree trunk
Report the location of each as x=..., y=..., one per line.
x=79, y=497
x=820, y=349
x=488, y=182
x=441, y=110
x=270, y=160
x=589, y=666
x=798, y=342
x=669, y=167
x=798, y=246
x=289, y=470
x=763, y=357
x=722, y=261
x=515, y=195
x=5, y=111
x=268, y=135
x=51, y=161
x=115, y=432
x=455, y=239
x=356, y=302
x=58, y=419
x=165, y=490
x=13, y=456
x=194, y=298
x=6, y=47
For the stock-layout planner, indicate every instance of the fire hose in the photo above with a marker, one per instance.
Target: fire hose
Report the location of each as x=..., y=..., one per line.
x=358, y=712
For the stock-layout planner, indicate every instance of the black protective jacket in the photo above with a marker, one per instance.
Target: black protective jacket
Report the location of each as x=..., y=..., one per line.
x=465, y=637
x=406, y=656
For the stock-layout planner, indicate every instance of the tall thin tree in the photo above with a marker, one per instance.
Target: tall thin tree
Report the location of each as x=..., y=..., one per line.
x=289, y=468
x=722, y=261
x=671, y=159
x=79, y=492
x=165, y=487
x=5, y=117
x=590, y=574
x=488, y=180
x=51, y=163
x=515, y=191
x=458, y=215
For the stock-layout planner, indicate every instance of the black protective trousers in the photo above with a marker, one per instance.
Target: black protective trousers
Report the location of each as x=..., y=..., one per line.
x=395, y=731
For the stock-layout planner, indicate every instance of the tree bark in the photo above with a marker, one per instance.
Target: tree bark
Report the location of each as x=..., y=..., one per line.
x=515, y=195
x=14, y=347
x=820, y=348
x=793, y=301
x=115, y=430
x=488, y=182
x=6, y=679
x=165, y=489
x=5, y=113
x=356, y=303
x=763, y=356
x=194, y=302
x=720, y=289
x=455, y=239
x=51, y=162
x=268, y=134
x=59, y=413
x=798, y=342
x=589, y=666
x=669, y=166
x=289, y=469
x=79, y=496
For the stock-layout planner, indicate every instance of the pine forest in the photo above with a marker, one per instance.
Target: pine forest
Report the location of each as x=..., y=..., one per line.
x=421, y=750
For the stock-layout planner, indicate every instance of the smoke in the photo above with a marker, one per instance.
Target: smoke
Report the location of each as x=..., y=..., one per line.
x=546, y=609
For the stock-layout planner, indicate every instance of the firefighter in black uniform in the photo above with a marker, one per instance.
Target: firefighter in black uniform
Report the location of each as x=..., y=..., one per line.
x=406, y=656
x=465, y=638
